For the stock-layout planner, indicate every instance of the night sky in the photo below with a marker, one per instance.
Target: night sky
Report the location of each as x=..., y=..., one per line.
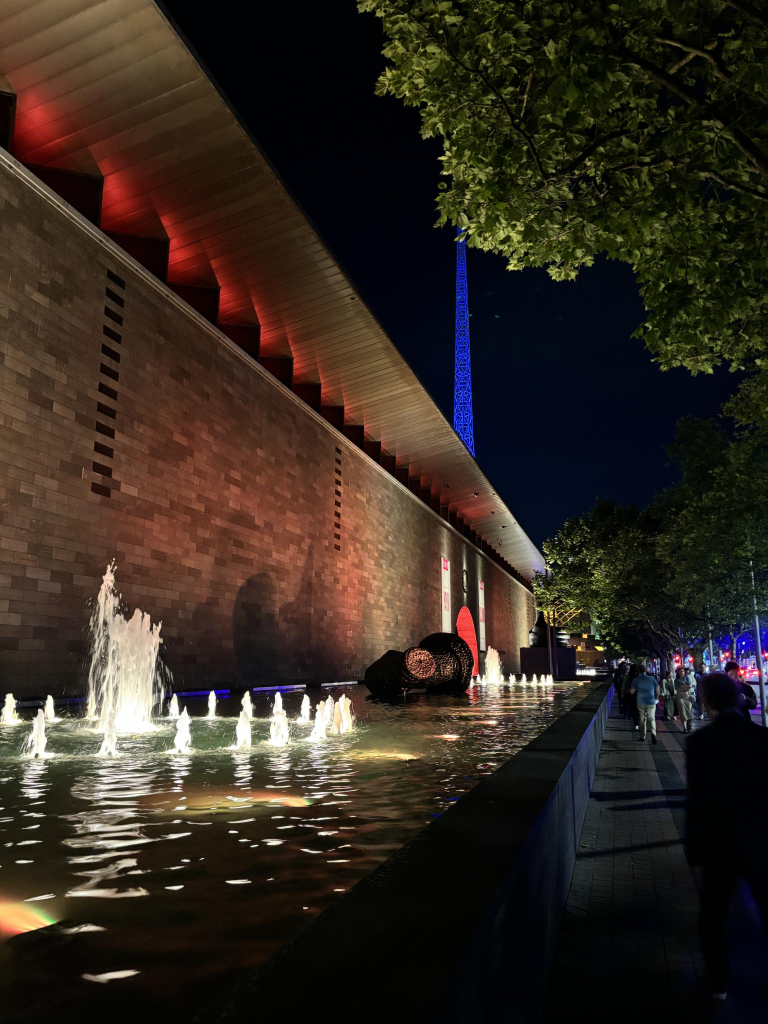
x=567, y=406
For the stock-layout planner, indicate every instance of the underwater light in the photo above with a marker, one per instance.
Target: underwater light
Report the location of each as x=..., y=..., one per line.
x=16, y=918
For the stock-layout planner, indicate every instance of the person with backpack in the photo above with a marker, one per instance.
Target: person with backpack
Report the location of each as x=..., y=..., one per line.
x=646, y=693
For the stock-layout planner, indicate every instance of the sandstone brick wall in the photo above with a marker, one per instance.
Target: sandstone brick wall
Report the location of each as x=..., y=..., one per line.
x=221, y=509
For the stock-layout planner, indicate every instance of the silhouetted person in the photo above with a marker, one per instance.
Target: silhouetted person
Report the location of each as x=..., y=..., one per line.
x=747, y=698
x=727, y=818
x=645, y=690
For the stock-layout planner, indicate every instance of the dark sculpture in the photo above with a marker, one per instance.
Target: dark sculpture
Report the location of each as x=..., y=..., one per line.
x=442, y=663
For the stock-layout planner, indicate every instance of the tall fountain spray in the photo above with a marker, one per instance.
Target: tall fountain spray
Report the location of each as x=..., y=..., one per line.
x=173, y=707
x=247, y=705
x=306, y=708
x=36, y=740
x=243, y=730
x=182, y=743
x=277, y=707
x=123, y=676
x=50, y=710
x=211, y=704
x=8, y=716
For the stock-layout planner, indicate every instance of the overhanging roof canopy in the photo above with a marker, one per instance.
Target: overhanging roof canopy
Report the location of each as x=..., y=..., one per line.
x=108, y=87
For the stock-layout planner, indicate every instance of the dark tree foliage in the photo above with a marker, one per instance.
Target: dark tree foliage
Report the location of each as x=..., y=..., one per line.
x=637, y=129
x=692, y=563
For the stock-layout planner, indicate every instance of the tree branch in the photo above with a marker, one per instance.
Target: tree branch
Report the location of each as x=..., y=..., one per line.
x=719, y=69
x=734, y=186
x=753, y=153
x=443, y=44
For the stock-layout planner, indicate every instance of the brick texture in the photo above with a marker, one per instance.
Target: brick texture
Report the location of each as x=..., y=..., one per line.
x=138, y=433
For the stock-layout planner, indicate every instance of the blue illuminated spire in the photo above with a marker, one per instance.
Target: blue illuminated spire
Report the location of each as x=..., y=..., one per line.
x=462, y=380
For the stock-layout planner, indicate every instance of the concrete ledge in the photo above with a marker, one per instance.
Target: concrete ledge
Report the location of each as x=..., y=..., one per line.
x=461, y=924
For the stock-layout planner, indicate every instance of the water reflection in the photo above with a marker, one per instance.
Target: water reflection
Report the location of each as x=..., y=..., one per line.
x=224, y=851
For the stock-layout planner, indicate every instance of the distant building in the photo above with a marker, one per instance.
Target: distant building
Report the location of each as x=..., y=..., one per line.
x=589, y=649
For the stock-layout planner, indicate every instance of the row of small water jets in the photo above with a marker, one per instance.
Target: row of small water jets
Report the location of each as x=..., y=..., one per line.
x=335, y=717
x=494, y=675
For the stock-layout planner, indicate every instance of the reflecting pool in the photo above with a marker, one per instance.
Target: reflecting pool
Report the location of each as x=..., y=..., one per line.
x=153, y=878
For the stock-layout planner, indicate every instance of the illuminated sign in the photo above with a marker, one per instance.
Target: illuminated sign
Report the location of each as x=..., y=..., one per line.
x=481, y=613
x=445, y=595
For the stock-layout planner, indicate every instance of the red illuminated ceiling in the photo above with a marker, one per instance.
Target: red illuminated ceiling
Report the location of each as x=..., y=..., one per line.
x=107, y=87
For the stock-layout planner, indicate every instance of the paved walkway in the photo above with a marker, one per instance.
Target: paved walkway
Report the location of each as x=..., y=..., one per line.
x=628, y=948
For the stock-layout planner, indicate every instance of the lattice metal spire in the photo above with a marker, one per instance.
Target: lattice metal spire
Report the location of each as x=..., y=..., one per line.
x=462, y=380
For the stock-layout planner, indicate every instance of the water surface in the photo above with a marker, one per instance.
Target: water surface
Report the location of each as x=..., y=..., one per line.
x=191, y=868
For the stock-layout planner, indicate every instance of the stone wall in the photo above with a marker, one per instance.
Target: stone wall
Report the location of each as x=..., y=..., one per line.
x=133, y=430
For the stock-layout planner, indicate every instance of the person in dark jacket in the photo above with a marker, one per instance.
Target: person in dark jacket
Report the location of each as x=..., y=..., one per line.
x=727, y=833
x=747, y=698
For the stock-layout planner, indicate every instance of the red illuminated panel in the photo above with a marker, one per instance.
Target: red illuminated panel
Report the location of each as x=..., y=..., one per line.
x=465, y=627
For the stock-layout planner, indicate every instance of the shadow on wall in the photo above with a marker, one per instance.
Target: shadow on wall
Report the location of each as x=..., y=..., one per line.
x=281, y=643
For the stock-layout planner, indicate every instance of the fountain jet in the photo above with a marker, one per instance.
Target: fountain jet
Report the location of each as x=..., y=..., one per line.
x=211, y=704
x=277, y=708
x=321, y=720
x=173, y=707
x=182, y=743
x=347, y=718
x=279, y=733
x=306, y=709
x=493, y=672
x=243, y=730
x=8, y=716
x=247, y=704
x=36, y=740
x=123, y=676
x=109, y=743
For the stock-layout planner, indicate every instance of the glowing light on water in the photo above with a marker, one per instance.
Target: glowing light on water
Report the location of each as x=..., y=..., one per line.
x=279, y=733
x=123, y=677
x=247, y=705
x=16, y=918
x=102, y=979
x=306, y=709
x=211, y=704
x=36, y=740
x=173, y=707
x=243, y=730
x=8, y=716
x=182, y=743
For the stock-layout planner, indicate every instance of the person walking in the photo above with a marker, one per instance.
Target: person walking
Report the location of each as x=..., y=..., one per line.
x=683, y=700
x=747, y=698
x=618, y=682
x=727, y=819
x=667, y=694
x=646, y=693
